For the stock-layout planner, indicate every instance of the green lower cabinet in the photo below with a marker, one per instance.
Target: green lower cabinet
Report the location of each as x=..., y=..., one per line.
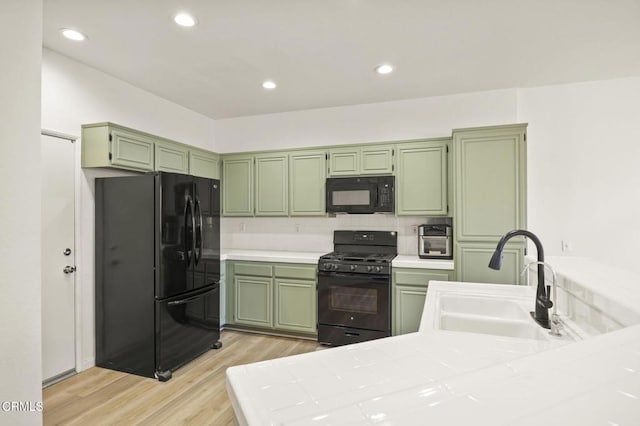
x=409, y=293
x=409, y=301
x=271, y=297
x=253, y=303
x=295, y=305
x=472, y=260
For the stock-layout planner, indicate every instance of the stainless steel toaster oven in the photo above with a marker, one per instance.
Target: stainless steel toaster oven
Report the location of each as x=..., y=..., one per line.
x=435, y=239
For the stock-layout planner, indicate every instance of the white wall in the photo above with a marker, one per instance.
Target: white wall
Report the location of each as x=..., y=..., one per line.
x=20, y=171
x=74, y=94
x=584, y=168
x=387, y=121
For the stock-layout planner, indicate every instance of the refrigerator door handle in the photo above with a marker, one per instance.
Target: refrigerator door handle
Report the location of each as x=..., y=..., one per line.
x=188, y=211
x=190, y=299
x=198, y=239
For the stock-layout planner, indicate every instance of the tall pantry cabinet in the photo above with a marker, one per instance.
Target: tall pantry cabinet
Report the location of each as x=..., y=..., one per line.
x=489, y=200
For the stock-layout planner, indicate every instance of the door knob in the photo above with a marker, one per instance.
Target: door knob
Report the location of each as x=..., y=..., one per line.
x=67, y=252
x=69, y=269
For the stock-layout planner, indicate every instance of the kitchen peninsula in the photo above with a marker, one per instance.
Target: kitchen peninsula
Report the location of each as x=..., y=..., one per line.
x=450, y=377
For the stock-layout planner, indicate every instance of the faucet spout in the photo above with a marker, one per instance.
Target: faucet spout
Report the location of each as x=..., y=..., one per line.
x=543, y=302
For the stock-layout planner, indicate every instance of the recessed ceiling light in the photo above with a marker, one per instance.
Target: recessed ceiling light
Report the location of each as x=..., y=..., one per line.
x=384, y=69
x=73, y=34
x=269, y=85
x=184, y=19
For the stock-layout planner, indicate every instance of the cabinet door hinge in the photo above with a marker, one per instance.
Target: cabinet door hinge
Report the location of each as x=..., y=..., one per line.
x=525, y=137
x=393, y=152
x=447, y=149
x=110, y=156
x=393, y=167
x=110, y=137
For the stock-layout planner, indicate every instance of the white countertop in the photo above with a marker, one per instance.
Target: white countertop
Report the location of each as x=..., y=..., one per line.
x=448, y=378
x=271, y=256
x=413, y=261
x=457, y=378
x=401, y=261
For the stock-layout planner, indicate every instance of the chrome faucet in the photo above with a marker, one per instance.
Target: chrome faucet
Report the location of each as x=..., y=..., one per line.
x=555, y=323
x=543, y=303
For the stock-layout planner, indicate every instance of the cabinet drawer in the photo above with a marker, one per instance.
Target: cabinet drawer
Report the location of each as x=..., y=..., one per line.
x=253, y=269
x=301, y=272
x=419, y=278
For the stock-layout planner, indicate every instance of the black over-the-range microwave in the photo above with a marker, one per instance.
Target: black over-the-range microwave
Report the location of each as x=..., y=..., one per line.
x=370, y=194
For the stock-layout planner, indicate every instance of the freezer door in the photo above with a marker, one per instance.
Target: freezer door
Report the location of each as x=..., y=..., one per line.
x=207, y=232
x=187, y=326
x=177, y=243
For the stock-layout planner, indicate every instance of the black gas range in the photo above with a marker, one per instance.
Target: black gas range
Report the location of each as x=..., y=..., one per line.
x=354, y=287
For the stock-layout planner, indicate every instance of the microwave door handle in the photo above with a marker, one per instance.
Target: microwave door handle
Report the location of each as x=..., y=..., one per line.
x=376, y=196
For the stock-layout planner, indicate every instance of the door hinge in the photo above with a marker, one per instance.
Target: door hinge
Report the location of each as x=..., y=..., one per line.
x=525, y=137
x=110, y=137
x=393, y=152
x=110, y=156
x=447, y=148
x=393, y=167
x=326, y=156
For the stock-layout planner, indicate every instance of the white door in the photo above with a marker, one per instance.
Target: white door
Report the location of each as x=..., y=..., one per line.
x=58, y=257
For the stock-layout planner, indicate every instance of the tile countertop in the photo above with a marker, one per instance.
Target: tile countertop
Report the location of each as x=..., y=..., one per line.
x=445, y=377
x=401, y=261
x=413, y=261
x=272, y=256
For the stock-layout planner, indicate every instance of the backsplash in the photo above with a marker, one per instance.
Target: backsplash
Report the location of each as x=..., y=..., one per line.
x=313, y=234
x=595, y=297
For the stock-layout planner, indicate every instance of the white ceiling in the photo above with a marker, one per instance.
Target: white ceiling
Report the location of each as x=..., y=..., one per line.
x=321, y=53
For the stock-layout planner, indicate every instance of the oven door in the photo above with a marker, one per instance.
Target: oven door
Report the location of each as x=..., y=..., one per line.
x=354, y=300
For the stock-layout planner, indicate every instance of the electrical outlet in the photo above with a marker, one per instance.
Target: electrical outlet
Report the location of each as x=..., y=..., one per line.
x=567, y=246
x=242, y=227
x=414, y=229
x=297, y=227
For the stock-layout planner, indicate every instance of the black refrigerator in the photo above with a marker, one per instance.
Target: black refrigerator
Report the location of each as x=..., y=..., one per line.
x=157, y=293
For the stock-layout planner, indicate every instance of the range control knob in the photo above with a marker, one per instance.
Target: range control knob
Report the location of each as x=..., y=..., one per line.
x=378, y=268
x=369, y=268
x=353, y=267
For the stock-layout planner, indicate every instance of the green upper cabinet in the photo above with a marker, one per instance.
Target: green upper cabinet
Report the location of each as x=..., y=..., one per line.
x=361, y=160
x=237, y=185
x=421, y=183
x=272, y=184
x=110, y=145
x=171, y=157
x=344, y=161
x=490, y=200
x=490, y=182
x=307, y=177
x=376, y=159
x=204, y=164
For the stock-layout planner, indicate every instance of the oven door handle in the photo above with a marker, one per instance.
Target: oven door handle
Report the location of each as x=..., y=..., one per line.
x=383, y=279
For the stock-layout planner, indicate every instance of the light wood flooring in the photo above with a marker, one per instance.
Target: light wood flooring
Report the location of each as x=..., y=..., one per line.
x=196, y=395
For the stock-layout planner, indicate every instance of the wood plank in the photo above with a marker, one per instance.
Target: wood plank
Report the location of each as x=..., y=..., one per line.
x=195, y=395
